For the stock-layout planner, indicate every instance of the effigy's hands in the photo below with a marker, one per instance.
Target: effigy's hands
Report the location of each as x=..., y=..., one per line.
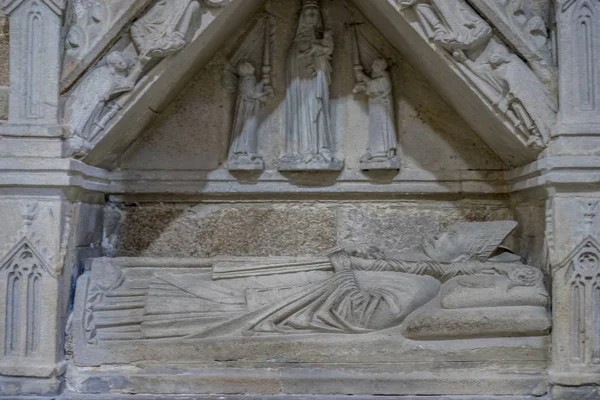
x=359, y=251
x=366, y=252
x=340, y=261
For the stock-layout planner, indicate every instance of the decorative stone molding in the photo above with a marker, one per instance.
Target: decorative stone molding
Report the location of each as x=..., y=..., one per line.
x=578, y=23
x=577, y=316
x=35, y=32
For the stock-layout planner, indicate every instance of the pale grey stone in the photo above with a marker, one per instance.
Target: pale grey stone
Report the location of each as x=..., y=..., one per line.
x=35, y=56
x=312, y=280
x=92, y=24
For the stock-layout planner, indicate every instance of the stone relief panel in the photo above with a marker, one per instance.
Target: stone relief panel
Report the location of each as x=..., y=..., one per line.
x=430, y=135
x=578, y=44
x=35, y=66
x=524, y=24
x=91, y=25
x=23, y=270
x=461, y=278
x=577, y=308
x=575, y=255
x=500, y=77
x=164, y=29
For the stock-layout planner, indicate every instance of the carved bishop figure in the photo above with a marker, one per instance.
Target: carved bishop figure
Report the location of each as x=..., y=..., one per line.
x=308, y=131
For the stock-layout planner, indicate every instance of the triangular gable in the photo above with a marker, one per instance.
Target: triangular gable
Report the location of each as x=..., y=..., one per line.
x=589, y=246
x=18, y=249
x=161, y=85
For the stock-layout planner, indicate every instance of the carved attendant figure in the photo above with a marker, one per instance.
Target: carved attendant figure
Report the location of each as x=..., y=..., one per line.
x=164, y=30
x=87, y=104
x=309, y=137
x=243, y=150
x=382, y=131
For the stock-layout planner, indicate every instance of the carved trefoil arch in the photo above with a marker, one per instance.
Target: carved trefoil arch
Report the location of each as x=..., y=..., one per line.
x=582, y=281
x=21, y=273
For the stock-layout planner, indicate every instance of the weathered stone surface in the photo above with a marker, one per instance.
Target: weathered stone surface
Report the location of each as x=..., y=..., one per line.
x=212, y=230
x=243, y=279
x=4, y=51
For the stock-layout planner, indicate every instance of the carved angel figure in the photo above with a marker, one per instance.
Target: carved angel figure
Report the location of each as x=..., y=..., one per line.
x=87, y=104
x=501, y=77
x=309, y=137
x=450, y=24
x=164, y=29
x=243, y=149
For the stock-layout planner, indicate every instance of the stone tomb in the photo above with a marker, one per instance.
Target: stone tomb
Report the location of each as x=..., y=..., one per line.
x=301, y=197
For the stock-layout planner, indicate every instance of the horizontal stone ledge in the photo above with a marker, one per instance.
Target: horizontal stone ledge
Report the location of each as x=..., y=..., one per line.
x=52, y=173
x=271, y=381
x=221, y=182
x=73, y=396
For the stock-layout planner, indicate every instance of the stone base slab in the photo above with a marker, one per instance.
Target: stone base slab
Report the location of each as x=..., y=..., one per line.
x=13, y=387
x=288, y=397
x=576, y=393
x=351, y=380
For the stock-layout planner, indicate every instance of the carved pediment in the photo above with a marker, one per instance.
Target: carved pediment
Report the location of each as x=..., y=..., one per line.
x=493, y=89
x=25, y=255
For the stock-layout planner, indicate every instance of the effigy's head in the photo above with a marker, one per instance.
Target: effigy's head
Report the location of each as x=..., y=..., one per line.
x=118, y=61
x=464, y=241
x=245, y=69
x=311, y=15
x=498, y=56
x=379, y=65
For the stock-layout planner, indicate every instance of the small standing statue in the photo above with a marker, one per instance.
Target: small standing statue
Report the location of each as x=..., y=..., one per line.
x=240, y=78
x=382, y=147
x=308, y=131
x=243, y=153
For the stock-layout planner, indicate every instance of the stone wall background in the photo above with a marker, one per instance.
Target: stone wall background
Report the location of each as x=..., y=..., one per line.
x=292, y=228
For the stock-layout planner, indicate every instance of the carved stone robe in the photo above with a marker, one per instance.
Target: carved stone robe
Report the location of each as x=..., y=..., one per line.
x=308, y=125
x=156, y=33
x=245, y=124
x=347, y=302
x=88, y=100
x=382, y=130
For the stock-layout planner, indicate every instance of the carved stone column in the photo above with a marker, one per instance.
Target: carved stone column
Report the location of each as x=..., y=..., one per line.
x=574, y=206
x=35, y=64
x=51, y=213
x=578, y=30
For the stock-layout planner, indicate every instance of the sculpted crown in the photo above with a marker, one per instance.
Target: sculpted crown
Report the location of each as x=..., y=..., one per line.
x=310, y=3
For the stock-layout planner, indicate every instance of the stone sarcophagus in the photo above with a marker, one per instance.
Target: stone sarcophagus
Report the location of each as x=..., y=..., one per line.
x=459, y=304
x=313, y=198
